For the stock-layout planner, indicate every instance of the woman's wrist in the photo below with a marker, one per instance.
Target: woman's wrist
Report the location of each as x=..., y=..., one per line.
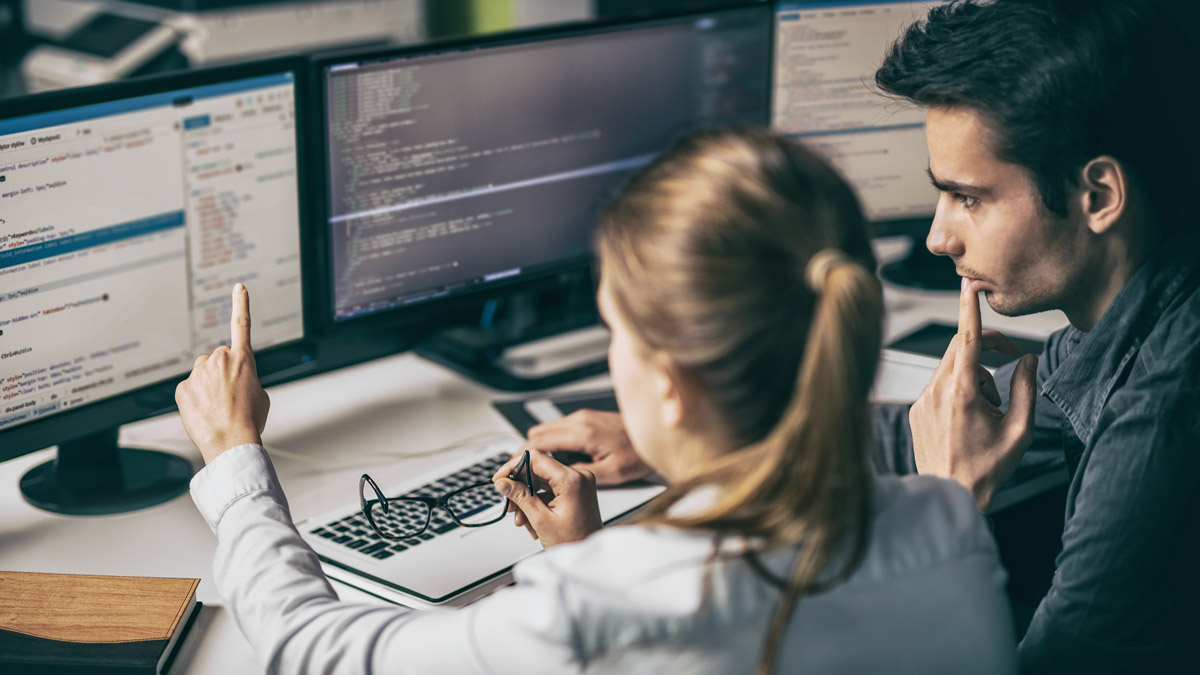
x=218, y=444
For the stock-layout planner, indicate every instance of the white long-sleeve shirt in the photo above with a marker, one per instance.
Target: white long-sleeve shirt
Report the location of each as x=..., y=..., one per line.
x=928, y=597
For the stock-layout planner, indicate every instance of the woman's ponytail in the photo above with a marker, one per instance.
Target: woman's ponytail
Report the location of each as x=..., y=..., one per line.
x=829, y=411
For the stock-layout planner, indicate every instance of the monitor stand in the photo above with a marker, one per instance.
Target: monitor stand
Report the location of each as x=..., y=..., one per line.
x=92, y=476
x=533, y=347
x=922, y=269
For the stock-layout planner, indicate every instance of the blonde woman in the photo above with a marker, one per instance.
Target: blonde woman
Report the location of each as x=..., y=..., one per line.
x=736, y=279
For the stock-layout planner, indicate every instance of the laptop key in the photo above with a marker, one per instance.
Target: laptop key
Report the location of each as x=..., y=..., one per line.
x=443, y=529
x=374, y=547
x=356, y=543
x=382, y=554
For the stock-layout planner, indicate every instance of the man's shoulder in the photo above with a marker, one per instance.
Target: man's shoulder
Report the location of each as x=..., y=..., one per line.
x=1163, y=379
x=1171, y=349
x=1168, y=359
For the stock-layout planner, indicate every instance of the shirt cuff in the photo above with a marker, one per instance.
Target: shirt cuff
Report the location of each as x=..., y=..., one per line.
x=235, y=473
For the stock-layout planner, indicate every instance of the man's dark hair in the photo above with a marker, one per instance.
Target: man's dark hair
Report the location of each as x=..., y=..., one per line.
x=1060, y=82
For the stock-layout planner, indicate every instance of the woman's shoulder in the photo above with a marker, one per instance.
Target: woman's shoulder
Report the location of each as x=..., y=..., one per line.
x=930, y=560
x=922, y=521
x=624, y=555
x=917, y=521
x=925, y=497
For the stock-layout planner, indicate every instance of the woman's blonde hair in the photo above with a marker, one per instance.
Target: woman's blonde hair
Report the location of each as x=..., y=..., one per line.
x=745, y=258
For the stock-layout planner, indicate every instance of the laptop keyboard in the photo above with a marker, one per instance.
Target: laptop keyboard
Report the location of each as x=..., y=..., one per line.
x=355, y=533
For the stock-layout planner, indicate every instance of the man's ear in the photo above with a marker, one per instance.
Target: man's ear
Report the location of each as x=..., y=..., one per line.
x=1105, y=193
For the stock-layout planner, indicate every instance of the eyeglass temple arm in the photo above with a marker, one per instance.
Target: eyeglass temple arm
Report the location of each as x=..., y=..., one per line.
x=528, y=473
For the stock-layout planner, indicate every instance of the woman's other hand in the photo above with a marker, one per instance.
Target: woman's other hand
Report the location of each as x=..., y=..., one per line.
x=599, y=435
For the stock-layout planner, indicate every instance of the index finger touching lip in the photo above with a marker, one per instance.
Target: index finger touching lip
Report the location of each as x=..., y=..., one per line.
x=239, y=319
x=970, y=327
x=969, y=320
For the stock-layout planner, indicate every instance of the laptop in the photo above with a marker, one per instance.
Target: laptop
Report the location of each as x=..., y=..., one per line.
x=448, y=564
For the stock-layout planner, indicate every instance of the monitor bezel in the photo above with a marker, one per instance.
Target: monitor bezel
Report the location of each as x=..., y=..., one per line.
x=421, y=318
x=159, y=397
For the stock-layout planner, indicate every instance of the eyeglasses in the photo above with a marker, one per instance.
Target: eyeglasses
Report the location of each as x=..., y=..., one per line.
x=471, y=506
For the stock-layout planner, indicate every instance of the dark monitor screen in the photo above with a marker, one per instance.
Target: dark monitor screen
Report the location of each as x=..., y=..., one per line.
x=123, y=226
x=826, y=54
x=457, y=169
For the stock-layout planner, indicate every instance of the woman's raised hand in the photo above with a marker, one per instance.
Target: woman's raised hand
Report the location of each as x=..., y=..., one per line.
x=221, y=403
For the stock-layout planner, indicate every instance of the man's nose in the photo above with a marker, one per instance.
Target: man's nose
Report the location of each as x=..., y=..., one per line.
x=943, y=239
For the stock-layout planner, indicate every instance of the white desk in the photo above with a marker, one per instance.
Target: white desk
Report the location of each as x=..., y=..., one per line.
x=391, y=406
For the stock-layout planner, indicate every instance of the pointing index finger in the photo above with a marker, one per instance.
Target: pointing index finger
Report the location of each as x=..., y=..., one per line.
x=239, y=319
x=970, y=331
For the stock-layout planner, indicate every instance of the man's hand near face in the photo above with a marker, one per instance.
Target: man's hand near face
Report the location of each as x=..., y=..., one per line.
x=958, y=429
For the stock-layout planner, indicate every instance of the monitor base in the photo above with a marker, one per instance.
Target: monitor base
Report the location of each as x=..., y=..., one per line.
x=528, y=340
x=493, y=362
x=922, y=269
x=92, y=476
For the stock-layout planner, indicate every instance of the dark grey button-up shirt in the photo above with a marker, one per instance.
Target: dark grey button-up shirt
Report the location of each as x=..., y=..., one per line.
x=1120, y=407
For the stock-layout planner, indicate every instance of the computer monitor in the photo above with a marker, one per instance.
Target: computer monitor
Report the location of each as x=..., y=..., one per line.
x=127, y=213
x=826, y=54
x=456, y=169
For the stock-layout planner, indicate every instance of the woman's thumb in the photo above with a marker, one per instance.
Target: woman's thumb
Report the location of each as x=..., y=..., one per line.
x=518, y=493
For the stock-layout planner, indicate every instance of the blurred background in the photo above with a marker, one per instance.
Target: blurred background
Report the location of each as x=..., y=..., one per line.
x=52, y=44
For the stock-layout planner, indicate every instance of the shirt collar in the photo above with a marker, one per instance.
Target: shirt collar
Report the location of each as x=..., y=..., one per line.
x=1095, y=360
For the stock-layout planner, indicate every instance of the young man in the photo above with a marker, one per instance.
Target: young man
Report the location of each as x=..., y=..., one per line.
x=1059, y=139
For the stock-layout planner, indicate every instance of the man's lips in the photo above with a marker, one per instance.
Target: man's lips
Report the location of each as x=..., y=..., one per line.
x=977, y=283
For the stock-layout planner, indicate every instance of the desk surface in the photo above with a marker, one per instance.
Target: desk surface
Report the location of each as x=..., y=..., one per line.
x=323, y=432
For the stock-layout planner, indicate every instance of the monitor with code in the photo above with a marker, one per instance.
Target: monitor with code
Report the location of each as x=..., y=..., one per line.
x=456, y=169
x=123, y=226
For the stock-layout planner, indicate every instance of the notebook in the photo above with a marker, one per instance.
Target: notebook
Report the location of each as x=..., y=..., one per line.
x=53, y=623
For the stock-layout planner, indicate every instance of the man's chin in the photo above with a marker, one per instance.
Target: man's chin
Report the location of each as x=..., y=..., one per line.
x=1006, y=305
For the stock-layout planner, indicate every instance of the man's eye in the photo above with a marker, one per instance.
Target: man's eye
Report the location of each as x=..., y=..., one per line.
x=965, y=200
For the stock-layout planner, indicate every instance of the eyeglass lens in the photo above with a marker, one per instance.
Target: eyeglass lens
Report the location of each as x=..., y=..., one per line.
x=403, y=518
x=481, y=505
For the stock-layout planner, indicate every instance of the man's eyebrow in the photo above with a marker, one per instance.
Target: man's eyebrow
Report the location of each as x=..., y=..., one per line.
x=961, y=188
